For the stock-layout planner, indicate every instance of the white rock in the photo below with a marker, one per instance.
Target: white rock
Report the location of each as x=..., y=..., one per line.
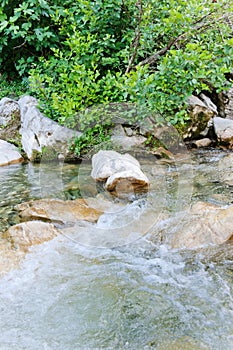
x=209, y=103
x=8, y=110
x=122, y=173
x=107, y=163
x=39, y=131
x=9, y=154
x=224, y=131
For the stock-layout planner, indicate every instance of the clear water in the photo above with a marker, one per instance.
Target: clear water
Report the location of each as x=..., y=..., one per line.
x=138, y=295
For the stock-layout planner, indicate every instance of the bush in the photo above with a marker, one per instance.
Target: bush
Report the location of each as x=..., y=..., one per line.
x=12, y=88
x=82, y=53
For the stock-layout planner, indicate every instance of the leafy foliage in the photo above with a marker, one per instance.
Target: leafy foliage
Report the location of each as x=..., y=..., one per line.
x=92, y=137
x=79, y=54
x=12, y=89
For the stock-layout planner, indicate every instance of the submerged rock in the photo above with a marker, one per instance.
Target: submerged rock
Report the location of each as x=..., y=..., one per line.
x=58, y=211
x=225, y=167
x=122, y=173
x=9, y=258
x=9, y=154
x=183, y=343
x=202, y=225
x=26, y=234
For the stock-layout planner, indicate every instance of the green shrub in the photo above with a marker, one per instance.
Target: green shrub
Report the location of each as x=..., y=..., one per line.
x=97, y=135
x=152, y=54
x=12, y=88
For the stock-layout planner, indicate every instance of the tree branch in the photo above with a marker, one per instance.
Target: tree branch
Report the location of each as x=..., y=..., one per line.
x=152, y=59
x=19, y=46
x=137, y=38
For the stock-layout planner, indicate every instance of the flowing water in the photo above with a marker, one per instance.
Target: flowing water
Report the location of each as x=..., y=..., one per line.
x=132, y=294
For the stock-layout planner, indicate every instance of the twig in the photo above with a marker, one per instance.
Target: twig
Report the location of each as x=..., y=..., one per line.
x=137, y=38
x=19, y=46
x=164, y=50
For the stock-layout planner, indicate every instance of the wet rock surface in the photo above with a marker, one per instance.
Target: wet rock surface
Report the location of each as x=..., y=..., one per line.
x=164, y=209
x=225, y=167
x=58, y=211
x=224, y=131
x=26, y=234
x=9, y=154
x=204, y=224
x=122, y=173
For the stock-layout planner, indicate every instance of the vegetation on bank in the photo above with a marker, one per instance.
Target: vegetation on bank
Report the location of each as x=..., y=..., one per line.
x=74, y=55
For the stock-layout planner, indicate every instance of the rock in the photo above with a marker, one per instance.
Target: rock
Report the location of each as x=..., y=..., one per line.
x=183, y=343
x=161, y=152
x=42, y=136
x=225, y=167
x=125, y=182
x=224, y=131
x=209, y=104
x=122, y=173
x=9, y=154
x=9, y=109
x=58, y=211
x=9, y=120
x=26, y=234
x=202, y=225
x=107, y=163
x=206, y=142
x=200, y=113
x=126, y=141
x=229, y=105
x=9, y=258
x=165, y=136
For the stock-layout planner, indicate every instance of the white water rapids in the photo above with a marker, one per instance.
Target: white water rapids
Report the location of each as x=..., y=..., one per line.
x=140, y=295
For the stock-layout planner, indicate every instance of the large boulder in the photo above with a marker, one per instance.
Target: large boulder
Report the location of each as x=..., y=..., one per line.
x=202, y=225
x=224, y=131
x=122, y=173
x=42, y=136
x=9, y=120
x=201, y=111
x=58, y=211
x=26, y=234
x=9, y=154
x=126, y=139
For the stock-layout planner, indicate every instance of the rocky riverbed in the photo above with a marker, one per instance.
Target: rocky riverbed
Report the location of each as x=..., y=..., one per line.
x=63, y=280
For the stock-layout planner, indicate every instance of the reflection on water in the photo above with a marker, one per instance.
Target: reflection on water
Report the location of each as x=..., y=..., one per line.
x=138, y=296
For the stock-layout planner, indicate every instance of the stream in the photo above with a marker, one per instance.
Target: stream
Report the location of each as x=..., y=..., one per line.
x=135, y=294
